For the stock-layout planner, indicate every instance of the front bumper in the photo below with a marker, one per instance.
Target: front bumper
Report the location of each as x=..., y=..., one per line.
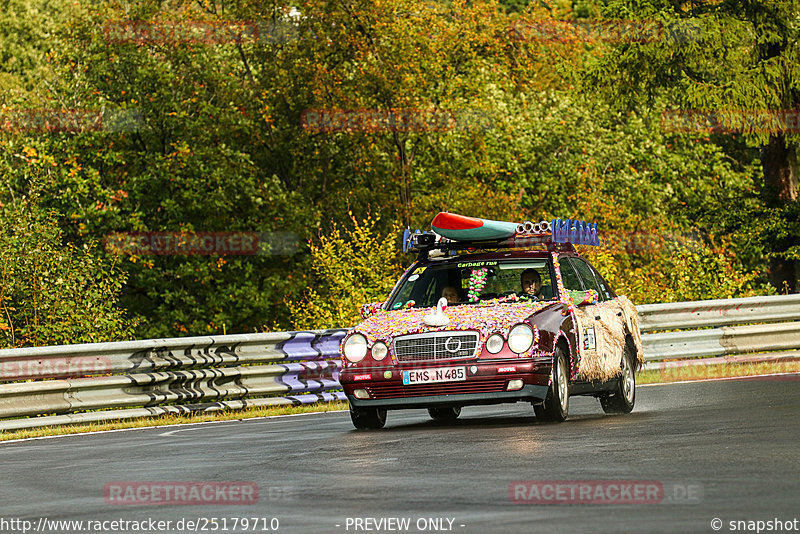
x=527, y=393
x=486, y=383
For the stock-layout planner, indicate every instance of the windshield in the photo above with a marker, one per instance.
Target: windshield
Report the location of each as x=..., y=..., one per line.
x=469, y=282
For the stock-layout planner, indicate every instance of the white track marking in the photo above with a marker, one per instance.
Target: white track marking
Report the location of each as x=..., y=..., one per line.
x=161, y=427
x=716, y=379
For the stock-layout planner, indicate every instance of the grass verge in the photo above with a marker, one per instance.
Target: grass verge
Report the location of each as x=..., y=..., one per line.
x=726, y=370
x=176, y=419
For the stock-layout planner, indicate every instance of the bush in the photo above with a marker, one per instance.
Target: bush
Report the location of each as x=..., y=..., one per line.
x=53, y=293
x=674, y=270
x=352, y=266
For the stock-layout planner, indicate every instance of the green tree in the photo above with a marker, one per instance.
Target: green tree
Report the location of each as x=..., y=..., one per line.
x=352, y=266
x=739, y=61
x=53, y=292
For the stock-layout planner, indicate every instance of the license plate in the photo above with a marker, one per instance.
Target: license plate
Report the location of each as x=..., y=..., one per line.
x=433, y=375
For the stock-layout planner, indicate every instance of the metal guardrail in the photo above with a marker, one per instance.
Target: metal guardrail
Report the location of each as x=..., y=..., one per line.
x=695, y=337
x=721, y=341
x=725, y=312
x=160, y=376
x=200, y=374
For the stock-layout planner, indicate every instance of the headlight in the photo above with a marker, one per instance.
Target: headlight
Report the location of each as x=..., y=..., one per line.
x=379, y=350
x=355, y=348
x=494, y=344
x=520, y=338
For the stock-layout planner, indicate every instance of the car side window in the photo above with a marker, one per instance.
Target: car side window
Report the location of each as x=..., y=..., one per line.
x=571, y=280
x=606, y=294
x=605, y=291
x=589, y=280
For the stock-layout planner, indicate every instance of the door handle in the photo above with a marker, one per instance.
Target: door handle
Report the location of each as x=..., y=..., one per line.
x=596, y=317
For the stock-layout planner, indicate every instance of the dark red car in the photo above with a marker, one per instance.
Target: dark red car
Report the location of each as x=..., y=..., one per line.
x=530, y=320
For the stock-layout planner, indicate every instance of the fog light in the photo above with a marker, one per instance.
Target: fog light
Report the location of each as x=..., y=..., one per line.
x=514, y=385
x=362, y=393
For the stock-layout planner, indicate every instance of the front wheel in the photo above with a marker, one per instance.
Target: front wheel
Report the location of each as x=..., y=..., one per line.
x=445, y=414
x=624, y=395
x=556, y=405
x=367, y=418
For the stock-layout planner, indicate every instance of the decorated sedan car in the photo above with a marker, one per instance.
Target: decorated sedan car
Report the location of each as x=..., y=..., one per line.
x=493, y=312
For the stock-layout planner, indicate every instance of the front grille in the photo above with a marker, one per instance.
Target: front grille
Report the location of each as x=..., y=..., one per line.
x=436, y=346
x=390, y=391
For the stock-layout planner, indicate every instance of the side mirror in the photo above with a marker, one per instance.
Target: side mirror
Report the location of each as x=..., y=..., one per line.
x=370, y=309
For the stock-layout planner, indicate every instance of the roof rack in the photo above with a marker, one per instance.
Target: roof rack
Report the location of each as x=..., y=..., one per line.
x=558, y=235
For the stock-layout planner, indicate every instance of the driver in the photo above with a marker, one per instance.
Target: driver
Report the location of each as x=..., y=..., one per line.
x=531, y=282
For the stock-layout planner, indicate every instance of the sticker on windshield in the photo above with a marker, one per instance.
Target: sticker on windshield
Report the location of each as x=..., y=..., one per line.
x=413, y=277
x=397, y=305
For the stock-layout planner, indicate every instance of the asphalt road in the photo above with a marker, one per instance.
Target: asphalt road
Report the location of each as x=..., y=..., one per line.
x=722, y=449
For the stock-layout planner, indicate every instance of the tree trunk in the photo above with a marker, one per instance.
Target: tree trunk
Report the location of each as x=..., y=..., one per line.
x=780, y=170
x=779, y=163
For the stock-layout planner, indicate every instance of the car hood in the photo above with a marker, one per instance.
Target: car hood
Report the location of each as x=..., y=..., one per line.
x=487, y=319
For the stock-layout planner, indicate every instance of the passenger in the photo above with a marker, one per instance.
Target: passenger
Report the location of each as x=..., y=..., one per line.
x=531, y=282
x=451, y=294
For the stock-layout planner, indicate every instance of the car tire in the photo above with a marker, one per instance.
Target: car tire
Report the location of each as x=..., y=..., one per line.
x=556, y=405
x=367, y=418
x=449, y=413
x=622, y=399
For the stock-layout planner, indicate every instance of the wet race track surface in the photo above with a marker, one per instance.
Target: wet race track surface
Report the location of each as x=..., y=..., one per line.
x=723, y=449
